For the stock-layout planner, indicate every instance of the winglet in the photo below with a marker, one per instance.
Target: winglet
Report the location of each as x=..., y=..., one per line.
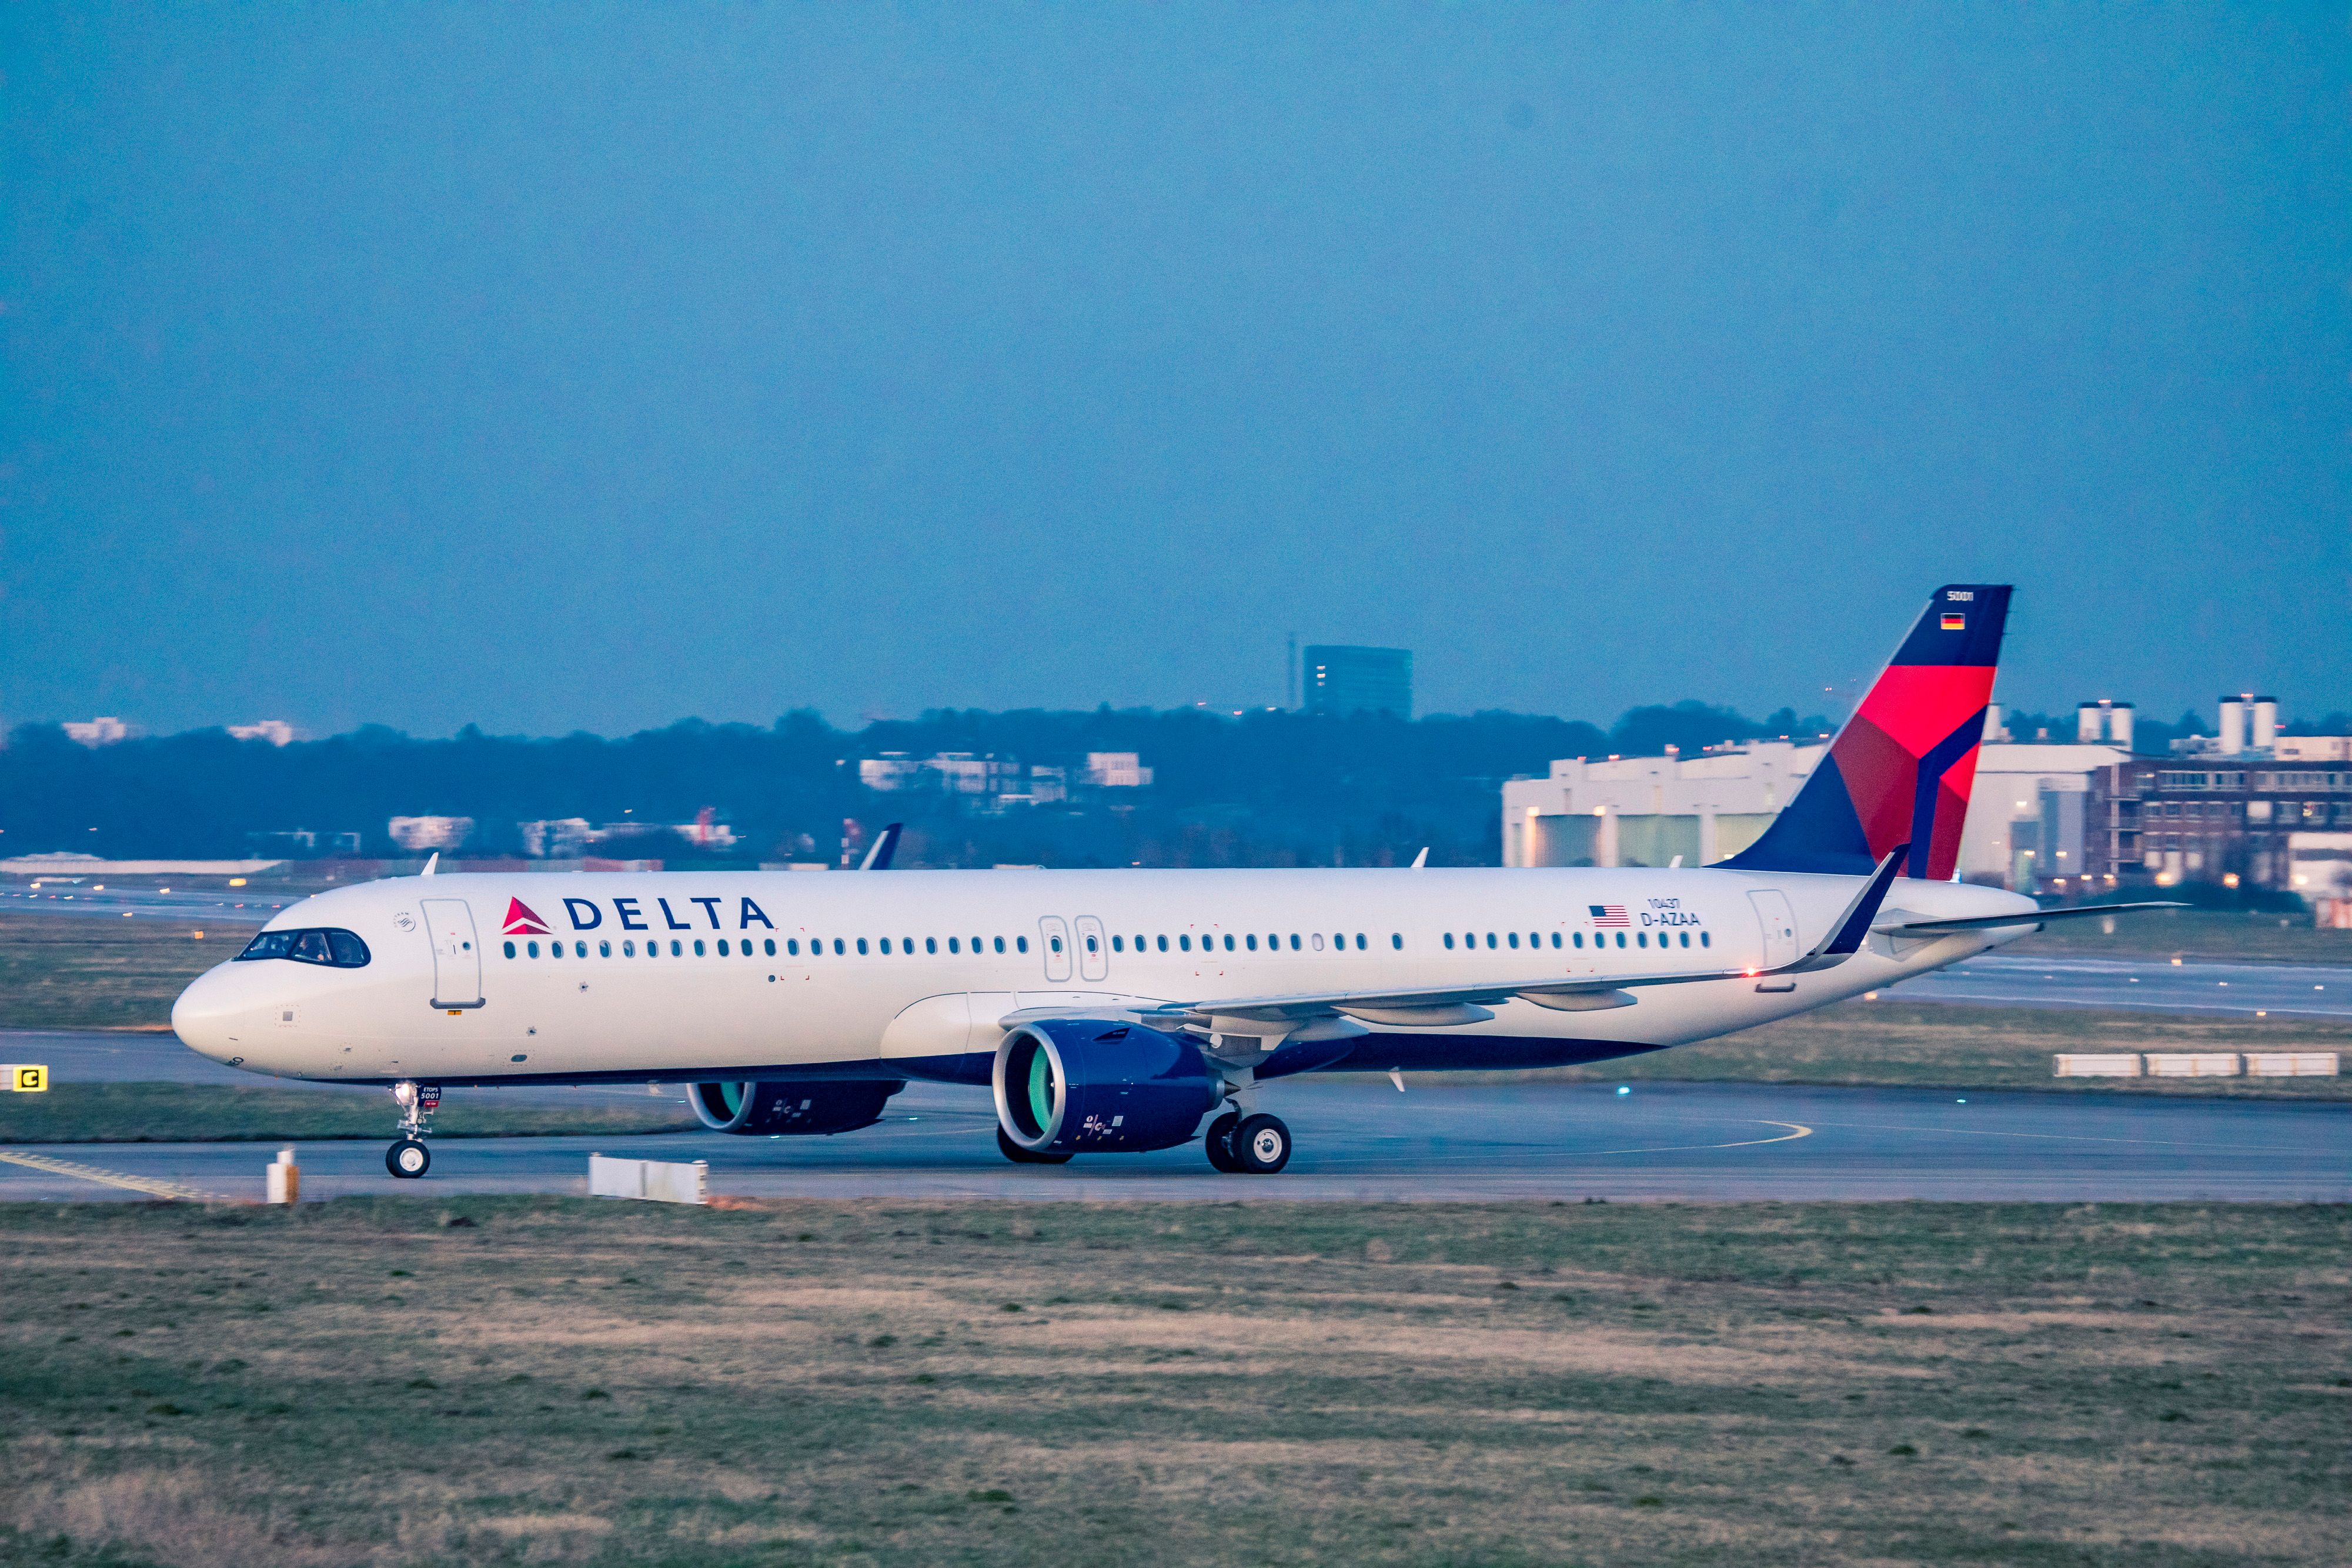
x=885, y=846
x=430, y=862
x=1853, y=927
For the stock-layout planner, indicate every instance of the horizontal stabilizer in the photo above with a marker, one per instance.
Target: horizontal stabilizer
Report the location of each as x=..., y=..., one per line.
x=2023, y=917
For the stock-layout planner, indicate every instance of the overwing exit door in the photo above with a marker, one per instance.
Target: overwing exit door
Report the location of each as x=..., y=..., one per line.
x=1779, y=924
x=1094, y=950
x=1056, y=935
x=456, y=956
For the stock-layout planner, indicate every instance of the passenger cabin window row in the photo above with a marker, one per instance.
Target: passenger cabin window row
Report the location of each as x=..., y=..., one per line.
x=1470, y=939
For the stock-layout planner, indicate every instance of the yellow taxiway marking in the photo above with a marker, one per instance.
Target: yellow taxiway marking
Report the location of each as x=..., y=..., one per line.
x=152, y=1186
x=1796, y=1130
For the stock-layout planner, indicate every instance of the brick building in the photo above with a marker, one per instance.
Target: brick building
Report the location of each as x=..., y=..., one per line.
x=2222, y=818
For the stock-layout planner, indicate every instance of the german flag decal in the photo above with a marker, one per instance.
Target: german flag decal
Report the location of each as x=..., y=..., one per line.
x=522, y=922
x=1955, y=621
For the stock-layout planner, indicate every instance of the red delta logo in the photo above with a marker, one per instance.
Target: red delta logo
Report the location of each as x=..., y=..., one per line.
x=522, y=922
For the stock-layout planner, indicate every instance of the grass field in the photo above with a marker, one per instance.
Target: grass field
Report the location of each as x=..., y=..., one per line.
x=2194, y=933
x=1936, y=1044
x=529, y=1381
x=82, y=971
x=209, y=1113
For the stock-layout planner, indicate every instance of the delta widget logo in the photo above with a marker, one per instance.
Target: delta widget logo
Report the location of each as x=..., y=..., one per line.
x=522, y=922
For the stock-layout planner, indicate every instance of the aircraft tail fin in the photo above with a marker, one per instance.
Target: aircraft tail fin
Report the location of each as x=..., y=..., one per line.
x=1900, y=770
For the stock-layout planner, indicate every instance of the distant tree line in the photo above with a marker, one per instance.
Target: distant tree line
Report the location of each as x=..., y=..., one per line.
x=1266, y=787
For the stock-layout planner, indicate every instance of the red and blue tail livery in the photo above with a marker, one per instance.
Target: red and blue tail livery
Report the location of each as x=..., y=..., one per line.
x=1899, y=771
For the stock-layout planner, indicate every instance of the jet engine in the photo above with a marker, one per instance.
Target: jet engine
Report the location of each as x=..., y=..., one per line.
x=1068, y=1087
x=820, y=1106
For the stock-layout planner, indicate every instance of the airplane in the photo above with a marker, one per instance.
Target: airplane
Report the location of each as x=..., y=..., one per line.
x=1122, y=1011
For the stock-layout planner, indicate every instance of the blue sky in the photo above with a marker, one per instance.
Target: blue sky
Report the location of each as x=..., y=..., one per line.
x=577, y=367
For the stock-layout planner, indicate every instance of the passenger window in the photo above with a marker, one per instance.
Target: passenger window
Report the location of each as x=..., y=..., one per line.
x=1118, y=944
x=1185, y=944
x=1449, y=941
x=675, y=950
x=1396, y=940
x=555, y=949
x=603, y=949
x=1514, y=940
x=1000, y=944
x=1578, y=939
x=532, y=948
x=509, y=950
x=952, y=946
x=1140, y=944
x=1294, y=942
x=1490, y=939
x=1229, y=942
x=1360, y=941
x=1319, y=941
x=1621, y=939
x=770, y=946
x=1021, y=943
x=1641, y=939
x=907, y=945
x=930, y=944
x=1056, y=943
x=840, y=948
x=697, y=947
x=1554, y=938
x=1250, y=941
x=629, y=950
x=722, y=946
x=1686, y=942
x=861, y=948
x=1704, y=940
x=1163, y=944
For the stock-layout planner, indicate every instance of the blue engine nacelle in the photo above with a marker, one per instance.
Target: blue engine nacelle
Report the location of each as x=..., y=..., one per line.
x=1077, y=1086
x=821, y=1105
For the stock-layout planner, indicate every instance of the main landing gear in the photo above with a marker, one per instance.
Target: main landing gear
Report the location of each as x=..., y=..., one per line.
x=408, y=1158
x=1248, y=1145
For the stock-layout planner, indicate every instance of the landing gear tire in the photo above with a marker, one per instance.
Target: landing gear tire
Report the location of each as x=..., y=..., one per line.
x=1261, y=1145
x=408, y=1158
x=1020, y=1156
x=1219, y=1143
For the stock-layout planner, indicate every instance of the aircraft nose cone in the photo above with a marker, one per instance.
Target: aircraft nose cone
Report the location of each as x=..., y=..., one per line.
x=209, y=1015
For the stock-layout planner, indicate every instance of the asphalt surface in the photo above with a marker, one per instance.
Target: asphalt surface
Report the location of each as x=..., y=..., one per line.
x=238, y=904
x=1354, y=1140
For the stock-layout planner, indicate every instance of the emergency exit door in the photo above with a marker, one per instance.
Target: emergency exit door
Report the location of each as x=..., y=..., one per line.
x=1094, y=950
x=1054, y=934
x=1779, y=924
x=457, y=956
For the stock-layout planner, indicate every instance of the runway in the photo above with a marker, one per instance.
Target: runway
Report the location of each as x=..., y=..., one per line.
x=1359, y=1140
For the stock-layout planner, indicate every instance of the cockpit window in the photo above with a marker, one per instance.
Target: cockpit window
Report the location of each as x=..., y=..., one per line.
x=338, y=949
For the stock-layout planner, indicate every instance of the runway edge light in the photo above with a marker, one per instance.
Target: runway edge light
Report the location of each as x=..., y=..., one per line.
x=25, y=1078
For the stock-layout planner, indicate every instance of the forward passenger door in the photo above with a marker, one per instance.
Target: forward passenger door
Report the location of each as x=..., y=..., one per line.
x=457, y=956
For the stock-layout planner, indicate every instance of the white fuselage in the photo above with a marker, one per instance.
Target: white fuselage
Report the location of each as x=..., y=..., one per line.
x=674, y=976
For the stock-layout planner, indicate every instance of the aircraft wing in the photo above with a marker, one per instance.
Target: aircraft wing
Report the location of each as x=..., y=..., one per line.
x=1439, y=1006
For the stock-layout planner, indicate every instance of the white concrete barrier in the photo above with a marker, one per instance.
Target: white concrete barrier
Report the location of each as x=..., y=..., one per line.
x=2290, y=1063
x=2193, y=1064
x=283, y=1180
x=2125, y=1064
x=662, y=1181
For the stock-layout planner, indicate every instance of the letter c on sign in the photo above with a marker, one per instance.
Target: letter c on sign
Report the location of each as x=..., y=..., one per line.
x=573, y=907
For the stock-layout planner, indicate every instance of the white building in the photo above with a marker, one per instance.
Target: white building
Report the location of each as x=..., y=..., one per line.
x=1117, y=771
x=2319, y=865
x=1646, y=810
x=276, y=731
x=430, y=833
x=2025, y=825
x=100, y=731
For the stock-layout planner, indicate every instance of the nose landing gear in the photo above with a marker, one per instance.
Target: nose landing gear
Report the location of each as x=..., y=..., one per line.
x=408, y=1158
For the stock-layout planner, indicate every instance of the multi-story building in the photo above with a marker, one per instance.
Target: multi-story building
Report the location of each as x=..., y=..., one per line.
x=1343, y=680
x=2222, y=816
x=1646, y=811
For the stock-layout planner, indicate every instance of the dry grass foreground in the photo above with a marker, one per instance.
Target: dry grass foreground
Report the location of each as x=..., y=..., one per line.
x=541, y=1380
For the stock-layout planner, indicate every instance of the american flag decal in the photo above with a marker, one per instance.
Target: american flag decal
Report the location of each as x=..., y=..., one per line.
x=1608, y=915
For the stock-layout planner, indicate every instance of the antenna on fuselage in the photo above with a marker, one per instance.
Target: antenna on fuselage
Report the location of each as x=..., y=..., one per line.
x=430, y=862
